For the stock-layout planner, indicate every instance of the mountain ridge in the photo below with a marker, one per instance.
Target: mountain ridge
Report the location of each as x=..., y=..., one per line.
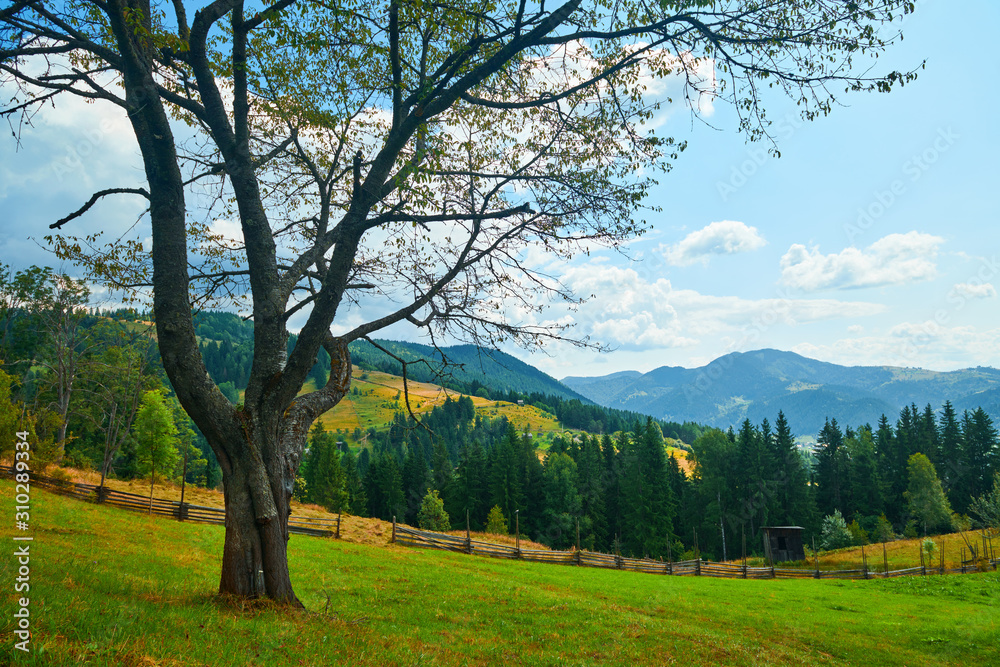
x=757, y=384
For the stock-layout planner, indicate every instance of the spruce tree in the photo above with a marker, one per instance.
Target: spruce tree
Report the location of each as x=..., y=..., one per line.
x=590, y=475
x=951, y=465
x=865, y=497
x=562, y=502
x=357, y=501
x=794, y=504
x=384, y=488
x=981, y=453
x=416, y=480
x=505, y=473
x=831, y=469
x=647, y=503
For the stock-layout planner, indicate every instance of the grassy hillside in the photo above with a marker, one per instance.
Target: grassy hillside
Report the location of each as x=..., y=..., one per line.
x=380, y=396
x=469, y=367
x=114, y=588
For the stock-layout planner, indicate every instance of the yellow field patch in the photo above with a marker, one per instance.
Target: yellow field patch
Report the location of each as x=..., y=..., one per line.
x=379, y=396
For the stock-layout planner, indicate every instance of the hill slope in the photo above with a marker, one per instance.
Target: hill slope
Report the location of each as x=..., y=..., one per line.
x=755, y=385
x=469, y=368
x=150, y=600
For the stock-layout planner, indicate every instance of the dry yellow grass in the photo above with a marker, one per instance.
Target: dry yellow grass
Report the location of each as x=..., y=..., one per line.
x=495, y=538
x=682, y=459
x=380, y=396
x=902, y=554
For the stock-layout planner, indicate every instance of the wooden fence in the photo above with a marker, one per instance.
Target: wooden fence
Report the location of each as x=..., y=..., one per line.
x=408, y=536
x=421, y=538
x=168, y=508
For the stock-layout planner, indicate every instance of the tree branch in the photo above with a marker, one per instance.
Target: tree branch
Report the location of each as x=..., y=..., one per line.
x=94, y=199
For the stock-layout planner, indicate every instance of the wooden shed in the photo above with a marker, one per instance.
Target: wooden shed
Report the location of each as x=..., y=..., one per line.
x=783, y=543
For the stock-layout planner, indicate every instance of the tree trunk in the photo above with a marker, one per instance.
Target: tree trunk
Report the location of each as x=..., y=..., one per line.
x=258, y=486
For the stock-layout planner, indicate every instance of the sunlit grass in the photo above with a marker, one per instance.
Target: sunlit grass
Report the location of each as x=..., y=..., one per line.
x=380, y=396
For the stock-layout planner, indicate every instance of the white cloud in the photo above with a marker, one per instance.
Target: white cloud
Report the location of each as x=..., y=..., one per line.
x=726, y=237
x=624, y=309
x=924, y=344
x=895, y=259
x=975, y=290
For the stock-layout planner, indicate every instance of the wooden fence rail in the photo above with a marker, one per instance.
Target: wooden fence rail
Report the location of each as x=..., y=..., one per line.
x=422, y=538
x=161, y=507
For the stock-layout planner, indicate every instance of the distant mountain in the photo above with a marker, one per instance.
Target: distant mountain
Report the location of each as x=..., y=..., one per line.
x=469, y=367
x=755, y=385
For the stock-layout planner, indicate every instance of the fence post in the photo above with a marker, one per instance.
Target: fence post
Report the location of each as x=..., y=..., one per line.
x=885, y=560
x=517, y=522
x=864, y=561
x=338, y=526
x=697, y=567
x=923, y=566
x=468, y=536
x=393, y=540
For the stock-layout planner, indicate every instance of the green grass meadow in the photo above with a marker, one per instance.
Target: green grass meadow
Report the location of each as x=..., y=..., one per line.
x=110, y=587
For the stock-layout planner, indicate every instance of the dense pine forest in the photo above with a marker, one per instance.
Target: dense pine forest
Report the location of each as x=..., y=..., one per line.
x=87, y=384
x=627, y=494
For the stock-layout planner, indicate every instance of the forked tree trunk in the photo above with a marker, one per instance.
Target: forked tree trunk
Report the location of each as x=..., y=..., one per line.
x=255, y=555
x=263, y=452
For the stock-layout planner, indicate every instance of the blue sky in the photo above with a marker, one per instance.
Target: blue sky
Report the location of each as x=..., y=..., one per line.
x=871, y=240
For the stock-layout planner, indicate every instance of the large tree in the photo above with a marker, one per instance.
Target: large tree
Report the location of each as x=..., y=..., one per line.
x=406, y=150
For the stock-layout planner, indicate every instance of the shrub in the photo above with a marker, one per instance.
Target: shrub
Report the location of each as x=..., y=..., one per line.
x=883, y=530
x=835, y=534
x=496, y=523
x=859, y=536
x=60, y=478
x=432, y=515
x=300, y=490
x=929, y=547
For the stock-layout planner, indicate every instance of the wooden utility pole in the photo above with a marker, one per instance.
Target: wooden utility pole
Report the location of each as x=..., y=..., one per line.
x=180, y=510
x=722, y=526
x=517, y=523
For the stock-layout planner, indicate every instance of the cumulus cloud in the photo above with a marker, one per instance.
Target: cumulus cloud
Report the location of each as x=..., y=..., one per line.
x=925, y=344
x=726, y=237
x=974, y=290
x=624, y=309
x=892, y=260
